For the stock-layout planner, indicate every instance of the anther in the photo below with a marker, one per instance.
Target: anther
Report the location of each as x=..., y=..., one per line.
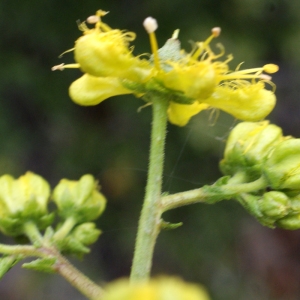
x=270, y=68
x=265, y=77
x=58, y=67
x=216, y=31
x=150, y=24
x=93, y=19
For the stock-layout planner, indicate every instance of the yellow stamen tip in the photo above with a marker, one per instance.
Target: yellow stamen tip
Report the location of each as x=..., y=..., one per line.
x=216, y=31
x=270, y=68
x=150, y=24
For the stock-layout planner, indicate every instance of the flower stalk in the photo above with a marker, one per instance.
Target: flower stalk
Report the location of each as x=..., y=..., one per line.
x=149, y=223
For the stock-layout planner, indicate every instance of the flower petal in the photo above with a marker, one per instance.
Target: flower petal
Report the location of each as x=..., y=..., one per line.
x=196, y=81
x=249, y=102
x=180, y=114
x=90, y=90
x=107, y=54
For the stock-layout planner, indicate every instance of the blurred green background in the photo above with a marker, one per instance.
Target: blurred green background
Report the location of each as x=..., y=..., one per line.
x=41, y=130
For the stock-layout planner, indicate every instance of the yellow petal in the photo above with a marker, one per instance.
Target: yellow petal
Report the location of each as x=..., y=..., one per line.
x=180, y=114
x=107, y=54
x=196, y=81
x=249, y=102
x=90, y=90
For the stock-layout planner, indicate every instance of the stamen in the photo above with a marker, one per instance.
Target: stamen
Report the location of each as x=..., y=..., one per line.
x=270, y=68
x=58, y=67
x=67, y=51
x=61, y=67
x=205, y=45
x=150, y=25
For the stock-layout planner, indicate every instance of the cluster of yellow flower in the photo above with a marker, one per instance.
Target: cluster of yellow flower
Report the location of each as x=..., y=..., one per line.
x=192, y=82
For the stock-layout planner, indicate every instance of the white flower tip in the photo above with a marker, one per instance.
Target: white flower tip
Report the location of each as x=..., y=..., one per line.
x=216, y=31
x=150, y=24
x=58, y=67
x=93, y=19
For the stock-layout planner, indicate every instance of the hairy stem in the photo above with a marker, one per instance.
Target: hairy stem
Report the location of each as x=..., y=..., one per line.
x=207, y=193
x=82, y=283
x=149, y=223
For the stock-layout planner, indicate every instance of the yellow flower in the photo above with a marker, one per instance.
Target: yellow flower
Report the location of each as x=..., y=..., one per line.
x=163, y=288
x=192, y=82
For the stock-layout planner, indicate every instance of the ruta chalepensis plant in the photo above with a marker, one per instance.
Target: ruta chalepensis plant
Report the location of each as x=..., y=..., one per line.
x=261, y=166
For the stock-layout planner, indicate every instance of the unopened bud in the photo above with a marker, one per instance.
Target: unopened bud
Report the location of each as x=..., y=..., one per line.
x=80, y=199
x=23, y=200
x=248, y=146
x=282, y=167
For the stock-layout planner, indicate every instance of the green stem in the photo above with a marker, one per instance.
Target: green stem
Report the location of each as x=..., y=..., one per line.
x=78, y=280
x=19, y=250
x=62, y=266
x=149, y=223
x=65, y=229
x=206, y=193
x=248, y=187
x=32, y=232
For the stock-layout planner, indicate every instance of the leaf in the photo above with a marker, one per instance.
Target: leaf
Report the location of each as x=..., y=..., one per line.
x=41, y=264
x=7, y=262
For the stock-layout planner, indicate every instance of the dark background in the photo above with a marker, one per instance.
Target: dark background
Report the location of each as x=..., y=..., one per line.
x=41, y=130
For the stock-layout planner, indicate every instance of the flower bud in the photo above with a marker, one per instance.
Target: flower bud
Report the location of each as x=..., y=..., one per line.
x=163, y=288
x=290, y=222
x=77, y=241
x=282, y=168
x=86, y=233
x=22, y=200
x=274, y=204
x=80, y=199
x=248, y=146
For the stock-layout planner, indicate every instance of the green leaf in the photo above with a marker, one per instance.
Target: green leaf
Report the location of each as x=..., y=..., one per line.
x=7, y=262
x=41, y=264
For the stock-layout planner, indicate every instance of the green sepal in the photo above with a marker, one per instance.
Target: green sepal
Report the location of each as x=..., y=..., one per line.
x=137, y=88
x=14, y=226
x=7, y=262
x=41, y=264
x=157, y=86
x=74, y=247
x=169, y=226
x=252, y=204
